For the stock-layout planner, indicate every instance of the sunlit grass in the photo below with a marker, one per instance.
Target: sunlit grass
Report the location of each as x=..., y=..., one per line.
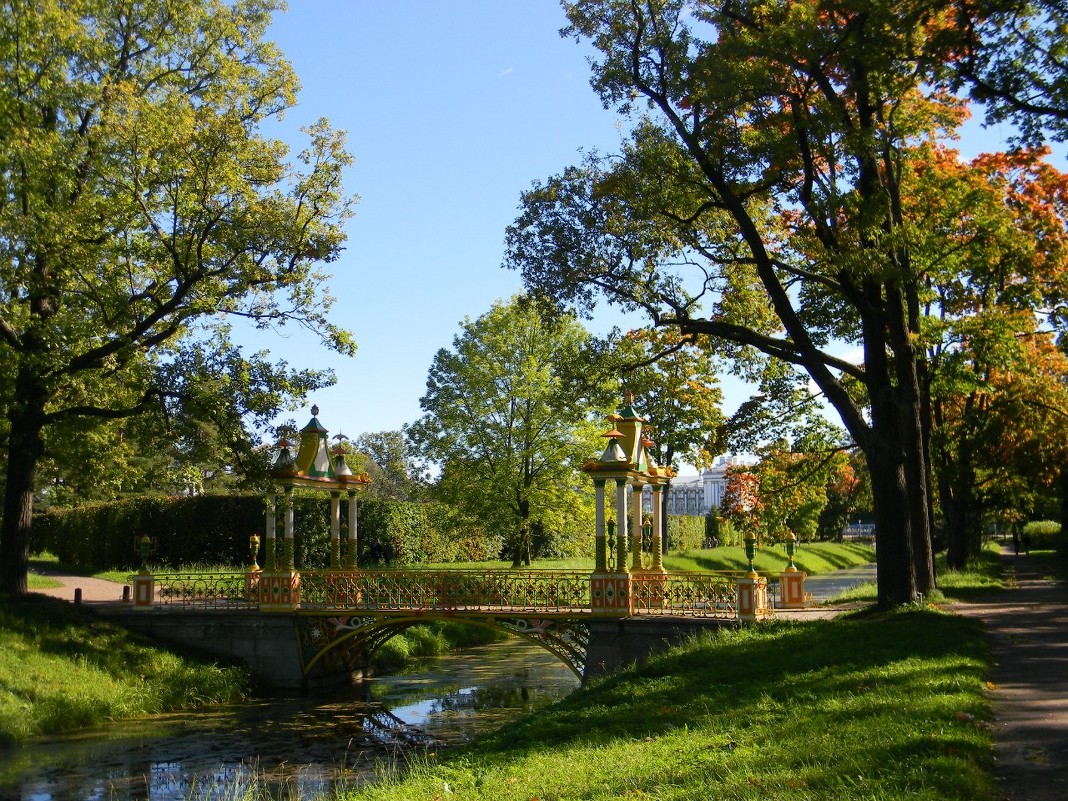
x=882, y=708
x=813, y=558
x=985, y=575
x=63, y=668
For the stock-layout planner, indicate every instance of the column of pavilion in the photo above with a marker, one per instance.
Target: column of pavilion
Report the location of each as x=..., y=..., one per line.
x=313, y=467
x=623, y=469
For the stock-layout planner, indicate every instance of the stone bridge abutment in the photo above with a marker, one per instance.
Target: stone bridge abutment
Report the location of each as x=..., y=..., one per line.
x=304, y=652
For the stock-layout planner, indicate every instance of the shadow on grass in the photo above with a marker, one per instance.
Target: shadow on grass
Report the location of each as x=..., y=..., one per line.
x=870, y=678
x=61, y=629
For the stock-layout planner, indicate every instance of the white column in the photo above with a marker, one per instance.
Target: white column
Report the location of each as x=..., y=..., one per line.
x=600, y=546
x=335, y=529
x=351, y=552
x=636, y=527
x=621, y=526
x=288, y=544
x=658, y=529
x=269, y=532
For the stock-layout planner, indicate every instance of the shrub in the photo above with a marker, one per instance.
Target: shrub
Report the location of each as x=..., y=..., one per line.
x=685, y=532
x=1043, y=534
x=216, y=528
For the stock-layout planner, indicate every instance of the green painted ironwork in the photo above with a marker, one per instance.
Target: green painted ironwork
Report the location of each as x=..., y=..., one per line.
x=215, y=591
x=362, y=635
x=481, y=593
x=469, y=590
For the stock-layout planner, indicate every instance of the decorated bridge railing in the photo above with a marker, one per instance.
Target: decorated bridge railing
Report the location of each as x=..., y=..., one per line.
x=549, y=592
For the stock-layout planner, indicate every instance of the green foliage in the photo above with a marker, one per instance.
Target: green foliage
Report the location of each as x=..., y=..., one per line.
x=391, y=462
x=63, y=668
x=208, y=528
x=685, y=532
x=883, y=709
x=1011, y=62
x=205, y=528
x=676, y=388
x=1044, y=534
x=142, y=206
x=509, y=416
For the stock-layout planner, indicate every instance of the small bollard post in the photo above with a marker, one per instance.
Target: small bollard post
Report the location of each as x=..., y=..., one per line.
x=77, y=595
x=126, y=593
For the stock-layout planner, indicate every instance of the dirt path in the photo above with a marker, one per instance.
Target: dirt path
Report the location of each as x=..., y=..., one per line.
x=93, y=590
x=1028, y=629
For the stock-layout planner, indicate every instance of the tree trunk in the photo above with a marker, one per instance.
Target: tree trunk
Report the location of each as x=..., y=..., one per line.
x=24, y=448
x=963, y=515
x=887, y=452
x=893, y=541
x=521, y=546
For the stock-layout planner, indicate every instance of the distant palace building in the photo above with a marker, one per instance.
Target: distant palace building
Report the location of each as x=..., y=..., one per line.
x=696, y=495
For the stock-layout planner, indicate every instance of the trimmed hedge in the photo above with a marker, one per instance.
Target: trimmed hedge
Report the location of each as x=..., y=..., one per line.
x=1043, y=534
x=215, y=529
x=685, y=532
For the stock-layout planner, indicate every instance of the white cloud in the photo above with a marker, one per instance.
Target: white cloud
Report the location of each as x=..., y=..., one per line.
x=505, y=73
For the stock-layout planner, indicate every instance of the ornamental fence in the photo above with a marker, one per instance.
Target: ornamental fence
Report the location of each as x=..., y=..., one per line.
x=552, y=592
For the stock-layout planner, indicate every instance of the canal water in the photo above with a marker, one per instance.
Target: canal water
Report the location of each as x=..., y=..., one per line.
x=291, y=747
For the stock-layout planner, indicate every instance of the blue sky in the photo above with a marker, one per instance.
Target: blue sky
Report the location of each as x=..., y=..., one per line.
x=452, y=109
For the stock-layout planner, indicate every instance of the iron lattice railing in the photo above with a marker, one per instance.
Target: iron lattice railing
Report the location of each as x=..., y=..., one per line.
x=206, y=590
x=544, y=591
x=692, y=594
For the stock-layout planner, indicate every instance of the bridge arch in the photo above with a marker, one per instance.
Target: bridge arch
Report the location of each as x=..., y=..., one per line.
x=331, y=644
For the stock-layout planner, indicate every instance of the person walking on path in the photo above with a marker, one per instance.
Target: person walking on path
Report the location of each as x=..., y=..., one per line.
x=1028, y=629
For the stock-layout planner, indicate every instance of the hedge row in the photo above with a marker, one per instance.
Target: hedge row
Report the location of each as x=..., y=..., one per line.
x=1042, y=535
x=685, y=532
x=215, y=530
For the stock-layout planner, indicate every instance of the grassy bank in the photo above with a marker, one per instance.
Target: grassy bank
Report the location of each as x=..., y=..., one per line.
x=811, y=557
x=986, y=575
x=62, y=668
x=880, y=709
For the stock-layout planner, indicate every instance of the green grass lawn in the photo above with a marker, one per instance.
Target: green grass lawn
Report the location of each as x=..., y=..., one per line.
x=813, y=558
x=62, y=668
x=982, y=577
x=878, y=708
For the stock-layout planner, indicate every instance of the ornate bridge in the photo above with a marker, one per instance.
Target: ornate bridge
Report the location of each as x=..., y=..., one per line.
x=341, y=617
x=591, y=620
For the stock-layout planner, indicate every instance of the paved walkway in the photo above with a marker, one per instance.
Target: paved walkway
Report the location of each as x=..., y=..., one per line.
x=94, y=591
x=1028, y=628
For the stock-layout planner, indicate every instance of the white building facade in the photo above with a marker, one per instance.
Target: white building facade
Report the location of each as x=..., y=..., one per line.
x=697, y=495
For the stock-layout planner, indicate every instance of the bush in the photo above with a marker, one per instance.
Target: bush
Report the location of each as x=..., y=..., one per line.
x=685, y=532
x=215, y=529
x=1043, y=534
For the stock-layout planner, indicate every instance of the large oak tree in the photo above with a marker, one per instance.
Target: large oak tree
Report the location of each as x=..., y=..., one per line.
x=759, y=201
x=138, y=197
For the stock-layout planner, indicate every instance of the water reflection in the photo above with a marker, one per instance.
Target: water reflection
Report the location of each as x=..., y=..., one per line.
x=290, y=747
